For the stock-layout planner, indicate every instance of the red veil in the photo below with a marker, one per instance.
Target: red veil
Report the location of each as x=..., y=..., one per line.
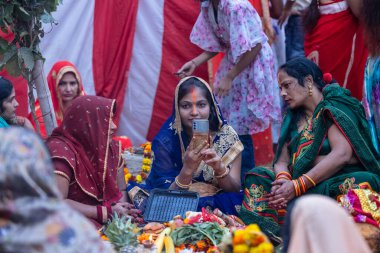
x=54, y=77
x=83, y=141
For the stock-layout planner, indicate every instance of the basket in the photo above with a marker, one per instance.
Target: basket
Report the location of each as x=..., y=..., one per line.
x=163, y=205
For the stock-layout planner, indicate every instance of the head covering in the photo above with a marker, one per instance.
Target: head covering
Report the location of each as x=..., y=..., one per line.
x=55, y=75
x=177, y=124
x=83, y=140
x=33, y=218
x=171, y=142
x=319, y=224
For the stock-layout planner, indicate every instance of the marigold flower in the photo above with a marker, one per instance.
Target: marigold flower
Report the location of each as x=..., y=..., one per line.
x=145, y=168
x=238, y=237
x=253, y=227
x=126, y=170
x=241, y=248
x=138, y=179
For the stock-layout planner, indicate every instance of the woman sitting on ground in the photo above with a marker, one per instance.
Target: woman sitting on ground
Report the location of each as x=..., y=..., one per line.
x=33, y=216
x=87, y=160
x=206, y=168
x=65, y=84
x=324, y=148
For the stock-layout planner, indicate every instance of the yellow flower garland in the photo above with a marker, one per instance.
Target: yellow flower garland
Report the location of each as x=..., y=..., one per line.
x=145, y=167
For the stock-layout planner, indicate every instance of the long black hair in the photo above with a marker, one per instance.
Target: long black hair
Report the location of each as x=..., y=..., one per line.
x=371, y=23
x=311, y=16
x=6, y=88
x=188, y=86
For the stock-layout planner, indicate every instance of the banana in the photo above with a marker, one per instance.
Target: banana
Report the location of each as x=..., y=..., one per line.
x=160, y=239
x=169, y=245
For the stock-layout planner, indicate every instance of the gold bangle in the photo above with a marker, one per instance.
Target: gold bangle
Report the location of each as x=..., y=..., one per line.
x=184, y=186
x=310, y=179
x=226, y=172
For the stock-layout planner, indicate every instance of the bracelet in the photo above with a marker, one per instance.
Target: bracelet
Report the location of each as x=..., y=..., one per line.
x=226, y=172
x=310, y=179
x=297, y=189
x=184, y=186
x=193, y=62
x=302, y=183
x=284, y=175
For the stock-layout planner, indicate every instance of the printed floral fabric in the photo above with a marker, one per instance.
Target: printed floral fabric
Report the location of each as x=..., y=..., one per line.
x=371, y=98
x=253, y=101
x=363, y=205
x=33, y=217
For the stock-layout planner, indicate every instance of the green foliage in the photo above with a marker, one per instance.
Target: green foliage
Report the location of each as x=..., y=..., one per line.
x=198, y=231
x=122, y=232
x=23, y=19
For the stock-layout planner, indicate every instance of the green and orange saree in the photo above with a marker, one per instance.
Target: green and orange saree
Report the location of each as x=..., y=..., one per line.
x=339, y=108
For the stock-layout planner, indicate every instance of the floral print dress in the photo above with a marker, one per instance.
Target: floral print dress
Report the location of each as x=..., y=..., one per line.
x=253, y=101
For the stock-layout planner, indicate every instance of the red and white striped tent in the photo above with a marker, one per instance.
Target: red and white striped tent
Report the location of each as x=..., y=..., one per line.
x=124, y=49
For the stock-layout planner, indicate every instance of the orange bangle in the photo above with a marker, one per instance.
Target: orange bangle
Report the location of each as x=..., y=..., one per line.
x=284, y=174
x=303, y=185
x=310, y=179
x=296, y=188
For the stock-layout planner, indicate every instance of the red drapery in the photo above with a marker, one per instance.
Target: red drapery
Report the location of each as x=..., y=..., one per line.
x=114, y=26
x=179, y=18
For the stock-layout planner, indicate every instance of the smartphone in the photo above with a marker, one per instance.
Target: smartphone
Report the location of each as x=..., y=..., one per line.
x=201, y=131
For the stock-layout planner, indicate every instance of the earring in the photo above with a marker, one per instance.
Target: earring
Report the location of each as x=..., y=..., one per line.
x=310, y=91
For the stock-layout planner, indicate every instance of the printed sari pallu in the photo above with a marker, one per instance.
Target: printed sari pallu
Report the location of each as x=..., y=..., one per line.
x=339, y=108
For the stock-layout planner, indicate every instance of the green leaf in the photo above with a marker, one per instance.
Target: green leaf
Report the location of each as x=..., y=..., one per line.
x=23, y=14
x=13, y=67
x=8, y=13
x=3, y=44
x=25, y=54
x=7, y=56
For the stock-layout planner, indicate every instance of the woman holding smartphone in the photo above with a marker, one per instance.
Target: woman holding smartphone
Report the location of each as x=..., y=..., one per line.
x=212, y=167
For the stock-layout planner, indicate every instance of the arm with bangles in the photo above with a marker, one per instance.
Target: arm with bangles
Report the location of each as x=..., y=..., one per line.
x=99, y=213
x=341, y=154
x=228, y=177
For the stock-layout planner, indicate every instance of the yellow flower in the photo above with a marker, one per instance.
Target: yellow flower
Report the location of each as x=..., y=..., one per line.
x=145, y=168
x=241, y=248
x=146, y=161
x=253, y=227
x=265, y=247
x=129, y=175
x=238, y=237
x=138, y=179
x=126, y=179
x=125, y=170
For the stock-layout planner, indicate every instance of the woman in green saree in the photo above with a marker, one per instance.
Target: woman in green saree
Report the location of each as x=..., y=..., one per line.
x=324, y=148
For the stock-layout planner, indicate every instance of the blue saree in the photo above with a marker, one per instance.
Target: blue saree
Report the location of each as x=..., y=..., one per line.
x=169, y=146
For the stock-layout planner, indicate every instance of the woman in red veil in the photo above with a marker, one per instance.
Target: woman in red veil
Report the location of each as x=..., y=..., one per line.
x=65, y=84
